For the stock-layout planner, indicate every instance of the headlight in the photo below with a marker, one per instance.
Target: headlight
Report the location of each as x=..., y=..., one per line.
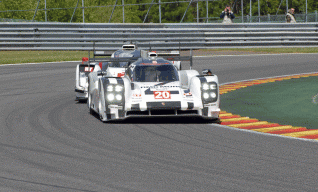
x=110, y=97
x=212, y=86
x=205, y=95
x=118, y=97
x=213, y=95
x=118, y=88
x=205, y=86
x=110, y=88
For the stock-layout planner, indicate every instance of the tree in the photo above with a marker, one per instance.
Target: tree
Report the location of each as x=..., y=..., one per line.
x=18, y=6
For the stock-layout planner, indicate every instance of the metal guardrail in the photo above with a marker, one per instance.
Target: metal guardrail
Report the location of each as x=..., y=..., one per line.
x=110, y=36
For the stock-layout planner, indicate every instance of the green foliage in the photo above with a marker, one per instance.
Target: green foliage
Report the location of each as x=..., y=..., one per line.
x=99, y=11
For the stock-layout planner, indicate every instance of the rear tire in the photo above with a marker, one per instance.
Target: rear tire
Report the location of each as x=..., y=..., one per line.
x=91, y=111
x=82, y=100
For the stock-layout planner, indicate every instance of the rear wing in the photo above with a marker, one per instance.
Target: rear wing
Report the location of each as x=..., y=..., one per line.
x=103, y=53
x=180, y=58
x=144, y=53
x=109, y=53
x=174, y=56
x=86, y=60
x=167, y=53
x=116, y=59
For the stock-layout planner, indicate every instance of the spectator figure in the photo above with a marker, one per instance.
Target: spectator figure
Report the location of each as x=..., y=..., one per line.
x=227, y=15
x=290, y=18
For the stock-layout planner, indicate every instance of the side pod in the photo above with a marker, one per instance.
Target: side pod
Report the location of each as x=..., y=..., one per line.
x=112, y=98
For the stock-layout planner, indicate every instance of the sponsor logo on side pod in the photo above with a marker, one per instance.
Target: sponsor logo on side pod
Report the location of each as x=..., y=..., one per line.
x=88, y=69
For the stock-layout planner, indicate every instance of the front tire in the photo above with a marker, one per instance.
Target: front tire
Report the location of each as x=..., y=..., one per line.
x=101, y=105
x=89, y=101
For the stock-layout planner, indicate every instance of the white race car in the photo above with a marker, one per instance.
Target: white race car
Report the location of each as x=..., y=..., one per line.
x=82, y=71
x=153, y=86
x=96, y=64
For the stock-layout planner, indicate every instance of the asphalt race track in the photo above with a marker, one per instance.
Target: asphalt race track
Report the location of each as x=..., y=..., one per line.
x=49, y=142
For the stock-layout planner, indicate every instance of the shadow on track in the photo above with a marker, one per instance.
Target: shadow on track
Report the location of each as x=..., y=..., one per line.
x=161, y=120
x=165, y=120
x=158, y=119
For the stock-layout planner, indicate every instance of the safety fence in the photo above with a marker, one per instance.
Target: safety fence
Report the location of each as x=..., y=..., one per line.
x=110, y=36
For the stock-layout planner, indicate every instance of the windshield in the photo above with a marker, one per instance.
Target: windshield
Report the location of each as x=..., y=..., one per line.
x=161, y=73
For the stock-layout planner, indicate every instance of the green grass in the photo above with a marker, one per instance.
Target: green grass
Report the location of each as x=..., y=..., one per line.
x=12, y=57
x=269, y=50
x=288, y=102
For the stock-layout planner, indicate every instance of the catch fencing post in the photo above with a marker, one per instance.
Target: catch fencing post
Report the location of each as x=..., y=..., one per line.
x=259, y=13
x=250, y=11
x=197, y=11
x=123, y=11
x=112, y=12
x=83, y=11
x=36, y=10
x=159, y=11
x=242, y=11
x=306, y=11
x=186, y=11
x=148, y=11
x=207, y=10
x=45, y=11
x=73, y=12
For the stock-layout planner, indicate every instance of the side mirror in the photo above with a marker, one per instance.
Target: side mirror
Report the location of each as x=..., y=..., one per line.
x=84, y=59
x=207, y=72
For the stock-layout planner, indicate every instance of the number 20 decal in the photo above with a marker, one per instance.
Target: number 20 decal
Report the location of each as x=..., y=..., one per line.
x=162, y=94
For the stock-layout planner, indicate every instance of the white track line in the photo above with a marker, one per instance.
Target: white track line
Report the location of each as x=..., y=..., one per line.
x=256, y=55
x=193, y=56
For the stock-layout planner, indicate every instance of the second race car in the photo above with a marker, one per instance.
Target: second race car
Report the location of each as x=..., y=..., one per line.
x=95, y=64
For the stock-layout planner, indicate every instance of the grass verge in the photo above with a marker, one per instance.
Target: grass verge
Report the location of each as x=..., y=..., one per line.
x=268, y=50
x=289, y=102
x=14, y=57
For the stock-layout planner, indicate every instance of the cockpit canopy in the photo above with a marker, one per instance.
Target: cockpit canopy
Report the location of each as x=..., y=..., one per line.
x=154, y=73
